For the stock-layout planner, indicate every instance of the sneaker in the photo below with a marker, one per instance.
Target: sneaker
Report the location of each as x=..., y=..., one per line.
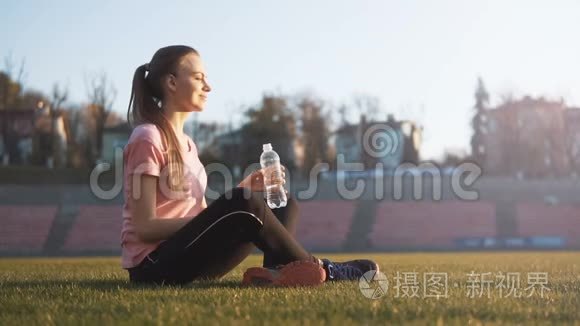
x=348, y=271
x=298, y=273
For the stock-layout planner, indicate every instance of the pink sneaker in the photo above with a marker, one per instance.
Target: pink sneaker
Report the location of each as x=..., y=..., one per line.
x=298, y=273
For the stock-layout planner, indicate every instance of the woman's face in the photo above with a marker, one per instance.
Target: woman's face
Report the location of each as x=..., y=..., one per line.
x=189, y=87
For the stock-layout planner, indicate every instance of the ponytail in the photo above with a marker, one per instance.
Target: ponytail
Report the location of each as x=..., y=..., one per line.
x=144, y=107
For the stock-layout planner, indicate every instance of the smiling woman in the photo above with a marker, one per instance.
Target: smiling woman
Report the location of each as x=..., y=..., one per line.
x=169, y=234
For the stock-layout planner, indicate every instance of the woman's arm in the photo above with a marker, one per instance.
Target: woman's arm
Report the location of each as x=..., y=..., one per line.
x=147, y=226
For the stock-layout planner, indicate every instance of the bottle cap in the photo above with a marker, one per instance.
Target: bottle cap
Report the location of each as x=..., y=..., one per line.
x=267, y=147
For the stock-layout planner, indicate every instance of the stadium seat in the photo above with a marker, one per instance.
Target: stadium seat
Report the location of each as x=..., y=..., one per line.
x=541, y=220
x=432, y=225
x=97, y=228
x=324, y=224
x=25, y=228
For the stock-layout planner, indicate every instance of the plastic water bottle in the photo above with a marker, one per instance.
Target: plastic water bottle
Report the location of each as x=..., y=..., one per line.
x=275, y=194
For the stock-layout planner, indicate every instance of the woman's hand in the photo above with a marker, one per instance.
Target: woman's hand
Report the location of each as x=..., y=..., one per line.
x=255, y=181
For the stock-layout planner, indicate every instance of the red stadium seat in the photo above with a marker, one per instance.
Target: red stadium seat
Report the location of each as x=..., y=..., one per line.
x=434, y=225
x=541, y=220
x=97, y=228
x=324, y=225
x=25, y=228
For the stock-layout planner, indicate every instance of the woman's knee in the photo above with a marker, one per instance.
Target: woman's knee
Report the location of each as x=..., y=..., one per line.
x=292, y=203
x=245, y=199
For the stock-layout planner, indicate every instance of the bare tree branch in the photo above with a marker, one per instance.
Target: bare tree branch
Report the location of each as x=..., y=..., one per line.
x=101, y=94
x=59, y=96
x=368, y=105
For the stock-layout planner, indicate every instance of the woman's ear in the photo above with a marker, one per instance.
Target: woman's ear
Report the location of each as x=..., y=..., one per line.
x=170, y=82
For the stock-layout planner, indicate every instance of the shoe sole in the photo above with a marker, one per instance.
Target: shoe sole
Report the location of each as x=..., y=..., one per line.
x=298, y=273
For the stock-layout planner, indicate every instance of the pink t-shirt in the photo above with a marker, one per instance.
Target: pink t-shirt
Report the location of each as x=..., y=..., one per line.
x=146, y=154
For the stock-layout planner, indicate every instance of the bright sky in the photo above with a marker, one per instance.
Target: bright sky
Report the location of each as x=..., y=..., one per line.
x=421, y=58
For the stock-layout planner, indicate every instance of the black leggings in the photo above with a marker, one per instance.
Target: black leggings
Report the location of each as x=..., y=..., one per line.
x=222, y=236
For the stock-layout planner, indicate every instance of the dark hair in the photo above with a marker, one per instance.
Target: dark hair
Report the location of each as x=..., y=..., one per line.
x=147, y=96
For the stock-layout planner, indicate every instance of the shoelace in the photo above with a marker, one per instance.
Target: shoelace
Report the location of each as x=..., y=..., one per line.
x=349, y=272
x=339, y=271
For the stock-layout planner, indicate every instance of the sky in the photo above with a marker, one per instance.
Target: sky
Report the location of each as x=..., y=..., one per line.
x=421, y=58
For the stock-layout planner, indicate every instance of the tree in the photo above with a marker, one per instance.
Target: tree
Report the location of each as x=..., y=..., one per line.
x=367, y=105
x=77, y=137
x=58, y=97
x=478, y=123
x=11, y=83
x=101, y=94
x=314, y=133
x=343, y=112
x=10, y=91
x=271, y=122
x=31, y=99
x=114, y=119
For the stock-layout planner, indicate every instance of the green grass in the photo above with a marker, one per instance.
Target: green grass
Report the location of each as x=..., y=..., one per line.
x=96, y=291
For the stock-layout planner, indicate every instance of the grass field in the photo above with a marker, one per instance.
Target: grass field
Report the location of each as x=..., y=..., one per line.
x=96, y=291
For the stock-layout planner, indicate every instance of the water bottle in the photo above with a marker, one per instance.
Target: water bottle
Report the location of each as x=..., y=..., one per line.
x=275, y=194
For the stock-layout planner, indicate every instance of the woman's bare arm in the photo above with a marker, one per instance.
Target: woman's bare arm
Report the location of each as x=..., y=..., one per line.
x=147, y=226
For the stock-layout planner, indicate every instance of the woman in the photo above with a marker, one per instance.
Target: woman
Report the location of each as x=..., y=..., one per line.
x=169, y=234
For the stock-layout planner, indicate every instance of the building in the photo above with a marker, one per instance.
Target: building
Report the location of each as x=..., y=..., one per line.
x=52, y=137
x=572, y=121
x=16, y=130
x=388, y=142
x=529, y=138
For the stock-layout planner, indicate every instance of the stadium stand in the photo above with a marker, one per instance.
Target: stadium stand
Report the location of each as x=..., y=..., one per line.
x=536, y=219
x=324, y=224
x=433, y=225
x=97, y=229
x=25, y=227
